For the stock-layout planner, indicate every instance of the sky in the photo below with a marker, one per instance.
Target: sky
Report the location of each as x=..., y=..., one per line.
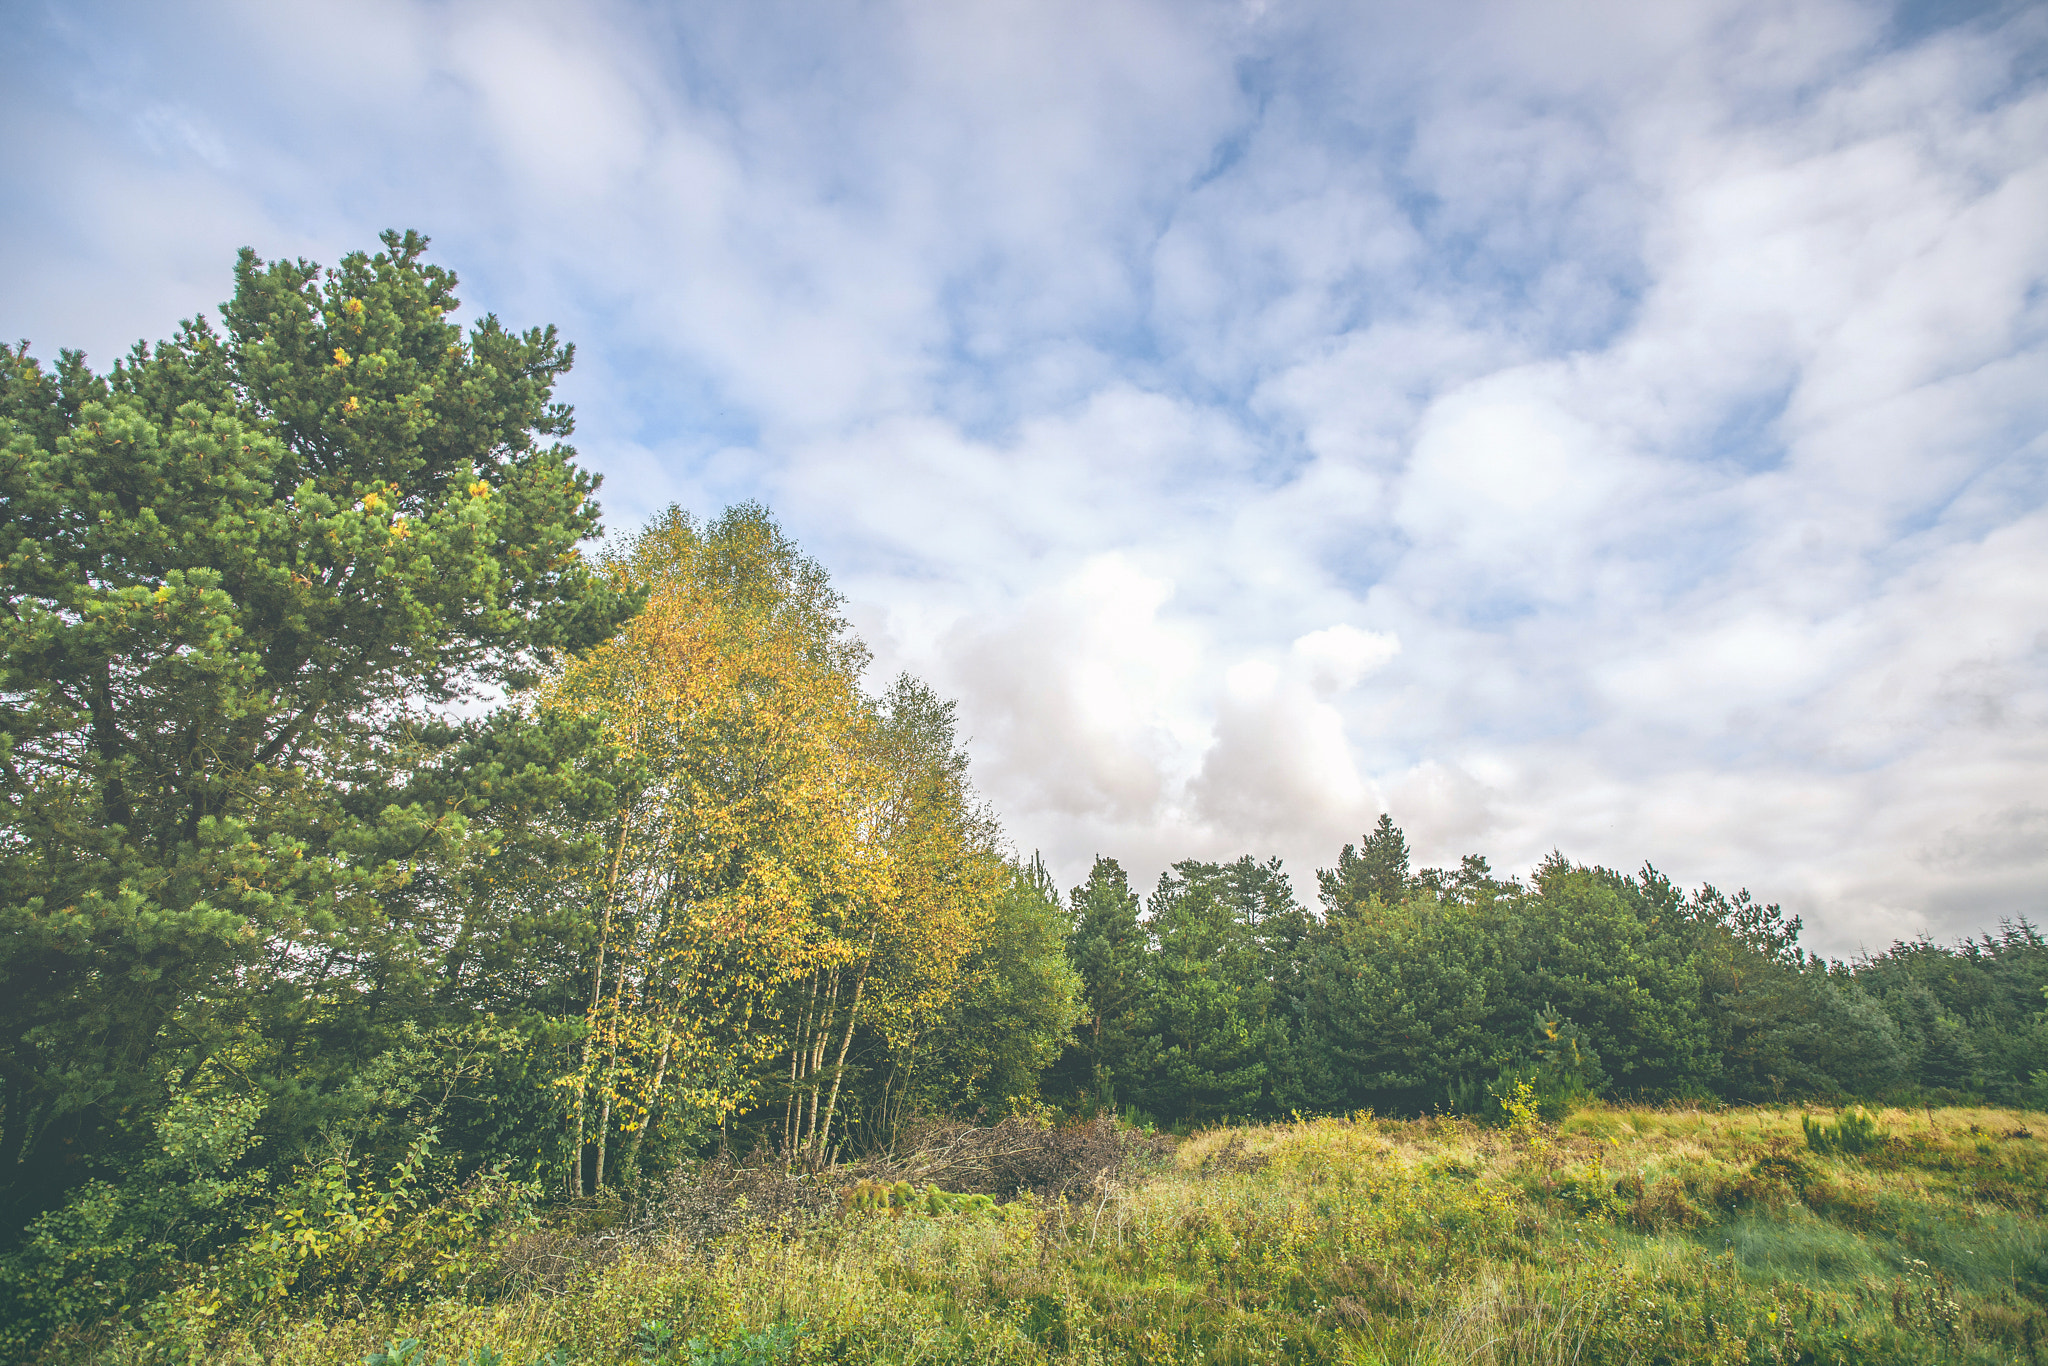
x=1615, y=428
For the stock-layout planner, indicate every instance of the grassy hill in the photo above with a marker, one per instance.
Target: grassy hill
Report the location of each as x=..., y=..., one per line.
x=1623, y=1235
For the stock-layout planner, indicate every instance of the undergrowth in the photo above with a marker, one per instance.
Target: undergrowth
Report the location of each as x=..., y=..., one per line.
x=1620, y=1235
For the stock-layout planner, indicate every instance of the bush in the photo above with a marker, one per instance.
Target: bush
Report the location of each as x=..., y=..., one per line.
x=1554, y=1093
x=1855, y=1132
x=656, y=1346
x=110, y=1248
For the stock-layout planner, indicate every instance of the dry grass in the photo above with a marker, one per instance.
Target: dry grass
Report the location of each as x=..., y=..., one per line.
x=1624, y=1235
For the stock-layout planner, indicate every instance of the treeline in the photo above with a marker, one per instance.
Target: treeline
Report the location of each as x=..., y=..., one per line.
x=1408, y=992
x=367, y=840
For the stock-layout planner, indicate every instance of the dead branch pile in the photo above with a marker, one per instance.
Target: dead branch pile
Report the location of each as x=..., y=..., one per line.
x=1018, y=1156
x=709, y=1199
x=702, y=1201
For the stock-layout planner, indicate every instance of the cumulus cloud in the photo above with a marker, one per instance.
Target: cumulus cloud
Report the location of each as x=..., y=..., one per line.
x=1616, y=428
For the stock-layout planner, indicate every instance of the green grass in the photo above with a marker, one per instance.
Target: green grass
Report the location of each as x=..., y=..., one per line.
x=1809, y=1251
x=1624, y=1235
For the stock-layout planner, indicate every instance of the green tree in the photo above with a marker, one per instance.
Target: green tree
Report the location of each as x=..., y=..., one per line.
x=1938, y=1043
x=1107, y=946
x=1406, y=1004
x=1781, y=1022
x=1376, y=867
x=242, y=572
x=1614, y=956
x=1967, y=1013
x=1209, y=1000
x=1016, y=1003
x=1404, y=1000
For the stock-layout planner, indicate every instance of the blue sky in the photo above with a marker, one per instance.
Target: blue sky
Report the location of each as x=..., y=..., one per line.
x=1616, y=428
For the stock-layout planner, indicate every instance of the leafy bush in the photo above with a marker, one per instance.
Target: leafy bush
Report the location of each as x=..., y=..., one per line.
x=763, y=1348
x=190, y=1245
x=407, y=1353
x=110, y=1248
x=1855, y=1132
x=1591, y=1190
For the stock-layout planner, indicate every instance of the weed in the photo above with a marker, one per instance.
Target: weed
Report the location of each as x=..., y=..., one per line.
x=652, y=1342
x=763, y=1348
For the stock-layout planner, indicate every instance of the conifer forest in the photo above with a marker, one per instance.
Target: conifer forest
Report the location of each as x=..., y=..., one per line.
x=435, y=930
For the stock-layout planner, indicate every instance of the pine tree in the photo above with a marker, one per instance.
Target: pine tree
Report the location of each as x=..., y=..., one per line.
x=1107, y=946
x=1378, y=867
x=1210, y=998
x=244, y=571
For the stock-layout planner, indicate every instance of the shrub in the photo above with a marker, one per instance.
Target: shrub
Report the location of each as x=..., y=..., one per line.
x=763, y=1348
x=109, y=1247
x=1855, y=1132
x=1553, y=1093
x=1591, y=1191
x=904, y=1198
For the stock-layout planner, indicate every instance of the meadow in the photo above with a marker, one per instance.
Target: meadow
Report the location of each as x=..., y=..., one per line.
x=1620, y=1235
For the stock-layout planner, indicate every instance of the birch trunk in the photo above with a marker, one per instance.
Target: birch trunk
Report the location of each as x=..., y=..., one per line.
x=845, y=1042
x=604, y=936
x=632, y=1157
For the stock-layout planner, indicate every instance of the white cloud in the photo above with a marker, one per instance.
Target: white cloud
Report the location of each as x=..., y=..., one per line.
x=1088, y=672
x=1338, y=658
x=563, y=112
